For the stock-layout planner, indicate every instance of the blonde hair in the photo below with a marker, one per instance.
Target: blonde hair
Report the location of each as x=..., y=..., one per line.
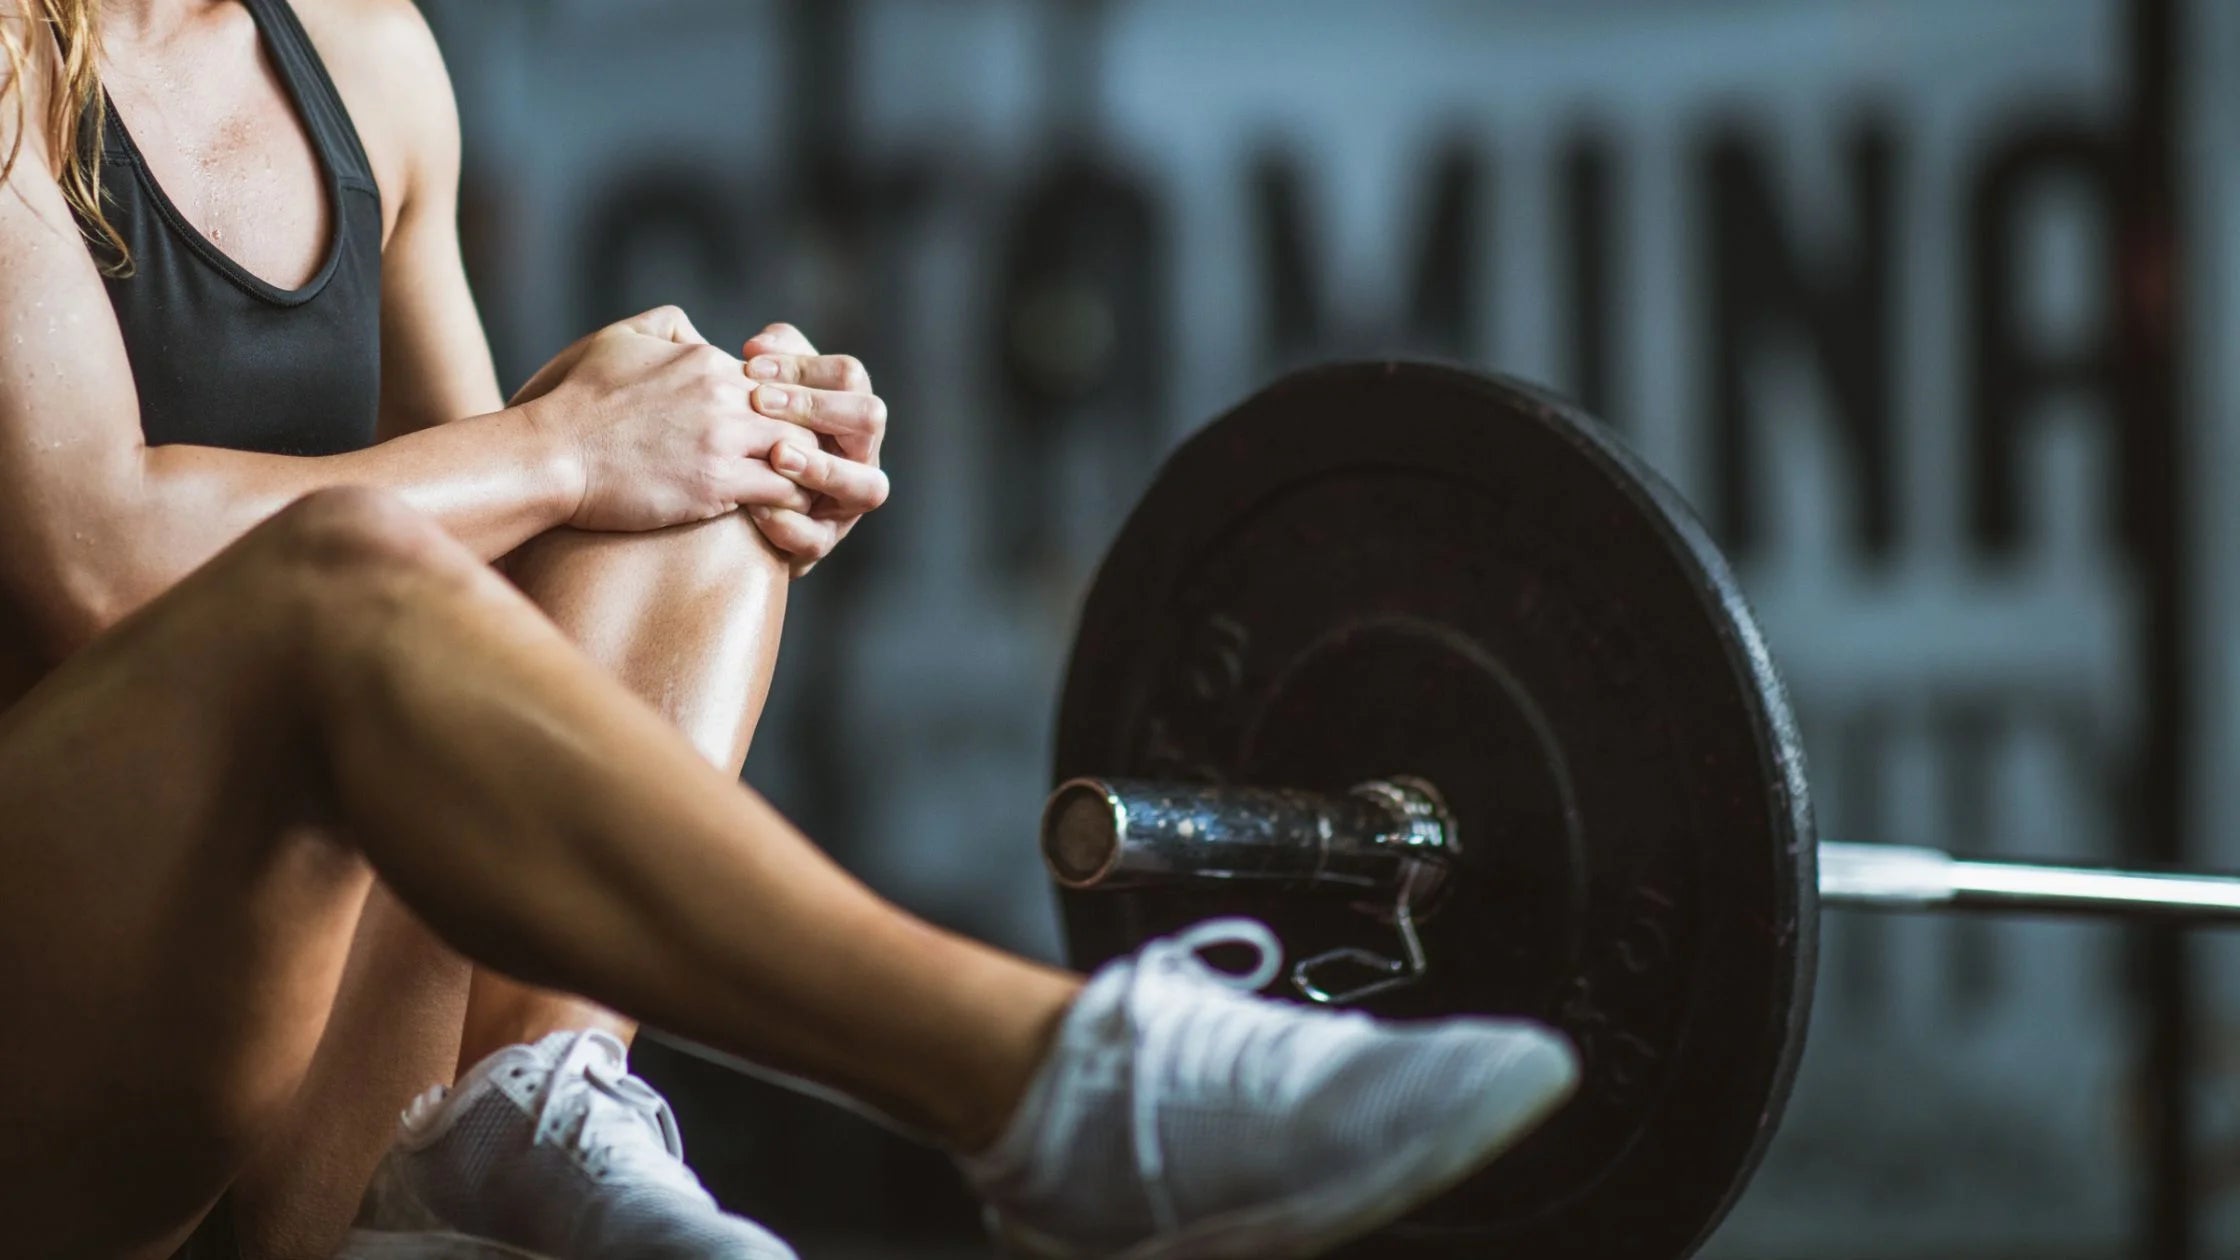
x=76, y=109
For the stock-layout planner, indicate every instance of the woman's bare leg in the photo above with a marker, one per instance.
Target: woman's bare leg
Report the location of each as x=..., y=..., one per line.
x=549, y=824
x=176, y=917
x=529, y=809
x=393, y=1032
x=689, y=620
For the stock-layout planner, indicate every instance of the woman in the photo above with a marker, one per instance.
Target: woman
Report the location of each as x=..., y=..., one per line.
x=250, y=749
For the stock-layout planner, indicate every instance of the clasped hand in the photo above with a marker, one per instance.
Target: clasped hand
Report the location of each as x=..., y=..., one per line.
x=657, y=427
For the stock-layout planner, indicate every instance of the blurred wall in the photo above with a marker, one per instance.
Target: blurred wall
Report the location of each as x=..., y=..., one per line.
x=1844, y=271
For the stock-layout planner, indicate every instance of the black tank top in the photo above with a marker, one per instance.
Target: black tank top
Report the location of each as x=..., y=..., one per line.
x=220, y=357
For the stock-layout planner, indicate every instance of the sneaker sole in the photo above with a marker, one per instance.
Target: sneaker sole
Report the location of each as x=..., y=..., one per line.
x=1309, y=1224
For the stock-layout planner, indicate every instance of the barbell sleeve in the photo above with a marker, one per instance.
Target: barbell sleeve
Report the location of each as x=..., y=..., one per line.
x=1905, y=877
x=1122, y=833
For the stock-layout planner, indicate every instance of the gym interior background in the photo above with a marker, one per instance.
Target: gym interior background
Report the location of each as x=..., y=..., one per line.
x=1929, y=307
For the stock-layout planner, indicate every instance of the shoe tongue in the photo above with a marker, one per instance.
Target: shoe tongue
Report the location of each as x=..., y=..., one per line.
x=555, y=1044
x=645, y=1106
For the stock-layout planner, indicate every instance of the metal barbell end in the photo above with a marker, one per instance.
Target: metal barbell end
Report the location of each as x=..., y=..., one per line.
x=1388, y=841
x=1122, y=833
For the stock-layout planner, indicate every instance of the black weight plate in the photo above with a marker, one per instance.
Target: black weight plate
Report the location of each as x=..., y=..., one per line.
x=1385, y=569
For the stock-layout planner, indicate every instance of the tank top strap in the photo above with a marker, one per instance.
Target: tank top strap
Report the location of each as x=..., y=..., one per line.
x=316, y=98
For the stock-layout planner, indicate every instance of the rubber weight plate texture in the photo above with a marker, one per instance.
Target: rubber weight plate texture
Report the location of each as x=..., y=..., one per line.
x=1383, y=569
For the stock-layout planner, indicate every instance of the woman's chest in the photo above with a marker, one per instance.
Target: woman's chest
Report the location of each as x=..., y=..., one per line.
x=224, y=143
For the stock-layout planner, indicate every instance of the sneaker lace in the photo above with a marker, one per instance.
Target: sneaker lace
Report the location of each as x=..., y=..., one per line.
x=592, y=1068
x=1178, y=957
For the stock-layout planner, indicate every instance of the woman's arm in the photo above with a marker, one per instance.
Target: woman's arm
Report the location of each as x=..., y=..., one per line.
x=435, y=360
x=93, y=522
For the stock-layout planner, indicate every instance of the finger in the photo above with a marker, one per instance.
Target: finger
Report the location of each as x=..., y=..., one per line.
x=827, y=411
x=796, y=533
x=669, y=323
x=757, y=485
x=765, y=434
x=854, y=488
x=842, y=372
x=778, y=339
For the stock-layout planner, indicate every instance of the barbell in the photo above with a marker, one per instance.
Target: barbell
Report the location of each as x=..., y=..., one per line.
x=1429, y=672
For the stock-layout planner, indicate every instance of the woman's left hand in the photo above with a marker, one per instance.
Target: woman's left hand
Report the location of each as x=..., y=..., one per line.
x=830, y=394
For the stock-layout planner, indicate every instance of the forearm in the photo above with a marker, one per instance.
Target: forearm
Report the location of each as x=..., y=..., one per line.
x=493, y=482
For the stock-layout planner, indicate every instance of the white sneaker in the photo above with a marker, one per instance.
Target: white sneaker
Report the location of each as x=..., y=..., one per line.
x=1180, y=1116
x=552, y=1151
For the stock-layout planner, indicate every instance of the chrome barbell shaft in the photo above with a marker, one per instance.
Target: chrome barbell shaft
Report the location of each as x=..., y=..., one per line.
x=1101, y=833
x=1905, y=877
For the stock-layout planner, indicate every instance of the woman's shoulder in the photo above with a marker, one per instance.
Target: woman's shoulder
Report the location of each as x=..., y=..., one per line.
x=395, y=26
x=385, y=64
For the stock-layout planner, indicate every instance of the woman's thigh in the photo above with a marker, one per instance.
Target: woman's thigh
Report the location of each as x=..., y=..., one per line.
x=174, y=916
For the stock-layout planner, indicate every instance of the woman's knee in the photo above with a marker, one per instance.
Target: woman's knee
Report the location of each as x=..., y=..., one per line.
x=722, y=553
x=343, y=568
x=358, y=531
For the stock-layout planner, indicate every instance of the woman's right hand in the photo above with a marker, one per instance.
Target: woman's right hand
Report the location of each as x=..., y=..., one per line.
x=658, y=429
